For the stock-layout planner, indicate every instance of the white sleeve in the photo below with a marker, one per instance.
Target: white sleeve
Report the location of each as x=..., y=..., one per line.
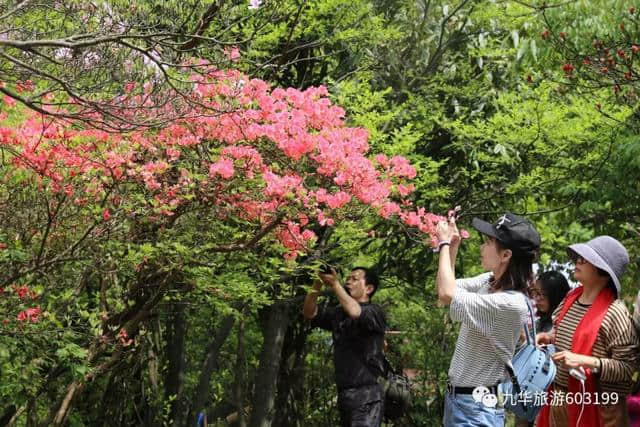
x=473, y=284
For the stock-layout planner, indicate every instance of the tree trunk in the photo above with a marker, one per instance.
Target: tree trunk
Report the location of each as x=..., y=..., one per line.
x=130, y=318
x=291, y=377
x=152, y=407
x=176, y=328
x=267, y=381
x=65, y=407
x=16, y=415
x=209, y=366
x=110, y=392
x=240, y=380
x=7, y=414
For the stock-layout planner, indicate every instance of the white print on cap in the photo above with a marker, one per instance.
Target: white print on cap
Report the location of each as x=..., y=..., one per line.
x=502, y=220
x=478, y=393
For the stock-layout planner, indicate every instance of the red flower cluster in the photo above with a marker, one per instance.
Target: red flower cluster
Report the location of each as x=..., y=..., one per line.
x=567, y=68
x=30, y=315
x=24, y=292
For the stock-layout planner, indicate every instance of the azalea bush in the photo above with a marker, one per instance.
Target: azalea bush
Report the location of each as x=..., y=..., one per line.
x=271, y=165
x=265, y=152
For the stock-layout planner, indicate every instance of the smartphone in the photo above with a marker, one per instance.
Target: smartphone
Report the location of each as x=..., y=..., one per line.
x=455, y=213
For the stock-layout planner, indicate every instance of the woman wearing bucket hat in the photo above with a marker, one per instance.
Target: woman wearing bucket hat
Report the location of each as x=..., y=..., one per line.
x=491, y=319
x=593, y=334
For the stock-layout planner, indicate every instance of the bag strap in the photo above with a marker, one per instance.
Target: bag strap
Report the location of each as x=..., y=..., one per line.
x=386, y=368
x=533, y=323
x=530, y=341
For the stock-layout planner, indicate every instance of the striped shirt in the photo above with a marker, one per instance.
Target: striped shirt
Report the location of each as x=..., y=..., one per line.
x=490, y=327
x=617, y=345
x=636, y=313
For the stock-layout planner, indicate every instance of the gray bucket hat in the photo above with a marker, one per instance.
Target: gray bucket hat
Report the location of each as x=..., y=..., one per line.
x=604, y=252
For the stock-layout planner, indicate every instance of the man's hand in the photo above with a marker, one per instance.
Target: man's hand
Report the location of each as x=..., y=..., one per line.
x=317, y=285
x=349, y=305
x=330, y=279
x=310, y=308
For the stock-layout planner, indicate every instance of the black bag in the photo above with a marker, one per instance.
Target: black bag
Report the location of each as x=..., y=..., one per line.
x=396, y=388
x=397, y=393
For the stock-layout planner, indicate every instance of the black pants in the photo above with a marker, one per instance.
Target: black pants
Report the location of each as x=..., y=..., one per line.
x=360, y=408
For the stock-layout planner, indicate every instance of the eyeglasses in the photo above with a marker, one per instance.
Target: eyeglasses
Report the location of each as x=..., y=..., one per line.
x=580, y=260
x=536, y=293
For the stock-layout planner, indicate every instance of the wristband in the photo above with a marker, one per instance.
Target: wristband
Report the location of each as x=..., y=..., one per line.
x=443, y=243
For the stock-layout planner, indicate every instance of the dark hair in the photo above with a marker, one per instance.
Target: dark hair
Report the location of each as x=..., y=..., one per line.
x=610, y=283
x=370, y=278
x=519, y=272
x=555, y=287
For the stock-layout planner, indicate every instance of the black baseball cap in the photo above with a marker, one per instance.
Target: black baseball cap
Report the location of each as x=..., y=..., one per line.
x=512, y=231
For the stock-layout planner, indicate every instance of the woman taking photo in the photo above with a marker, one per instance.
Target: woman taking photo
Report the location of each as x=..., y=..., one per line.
x=593, y=331
x=491, y=318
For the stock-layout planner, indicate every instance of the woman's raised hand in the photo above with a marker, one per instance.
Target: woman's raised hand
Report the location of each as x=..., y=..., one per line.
x=447, y=230
x=455, y=237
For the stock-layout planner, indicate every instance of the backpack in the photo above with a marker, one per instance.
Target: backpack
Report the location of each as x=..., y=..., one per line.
x=531, y=372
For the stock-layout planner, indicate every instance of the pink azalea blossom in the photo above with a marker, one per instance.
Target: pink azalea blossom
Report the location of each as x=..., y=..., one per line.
x=30, y=315
x=223, y=167
x=232, y=53
x=389, y=209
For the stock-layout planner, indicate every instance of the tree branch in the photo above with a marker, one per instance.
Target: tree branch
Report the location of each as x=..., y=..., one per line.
x=241, y=246
x=204, y=23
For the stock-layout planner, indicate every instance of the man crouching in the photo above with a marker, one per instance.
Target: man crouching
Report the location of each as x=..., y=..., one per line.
x=358, y=328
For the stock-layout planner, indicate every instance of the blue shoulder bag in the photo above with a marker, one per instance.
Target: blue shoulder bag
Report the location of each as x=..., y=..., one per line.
x=531, y=372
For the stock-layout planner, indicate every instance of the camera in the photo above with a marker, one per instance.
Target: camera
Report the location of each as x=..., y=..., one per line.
x=326, y=268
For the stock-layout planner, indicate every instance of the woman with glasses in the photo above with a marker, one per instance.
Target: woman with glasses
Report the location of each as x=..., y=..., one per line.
x=548, y=292
x=596, y=343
